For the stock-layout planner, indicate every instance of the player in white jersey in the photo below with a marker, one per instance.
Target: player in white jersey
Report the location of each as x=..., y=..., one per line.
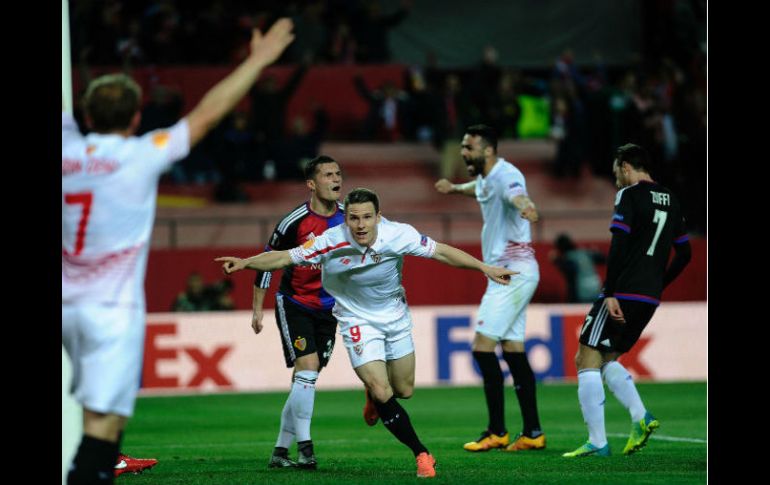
x=507, y=209
x=109, y=187
x=361, y=267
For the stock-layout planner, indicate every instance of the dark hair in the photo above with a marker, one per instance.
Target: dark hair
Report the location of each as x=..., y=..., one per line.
x=362, y=196
x=111, y=102
x=564, y=243
x=487, y=134
x=634, y=155
x=312, y=166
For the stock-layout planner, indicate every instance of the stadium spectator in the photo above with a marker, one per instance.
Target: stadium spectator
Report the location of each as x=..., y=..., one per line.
x=646, y=223
x=109, y=187
x=507, y=209
x=370, y=28
x=361, y=268
x=387, y=108
x=199, y=297
x=577, y=265
x=303, y=309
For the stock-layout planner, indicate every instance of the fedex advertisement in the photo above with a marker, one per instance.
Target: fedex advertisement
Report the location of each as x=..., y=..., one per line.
x=219, y=352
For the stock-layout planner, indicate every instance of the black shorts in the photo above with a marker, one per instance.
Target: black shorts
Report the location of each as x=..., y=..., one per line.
x=304, y=331
x=604, y=334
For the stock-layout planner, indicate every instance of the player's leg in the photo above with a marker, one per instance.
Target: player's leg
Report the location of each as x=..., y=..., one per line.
x=531, y=436
x=590, y=388
x=297, y=331
x=619, y=380
x=105, y=345
x=492, y=322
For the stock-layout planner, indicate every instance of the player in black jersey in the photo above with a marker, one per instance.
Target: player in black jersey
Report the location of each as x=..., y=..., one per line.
x=646, y=223
x=303, y=310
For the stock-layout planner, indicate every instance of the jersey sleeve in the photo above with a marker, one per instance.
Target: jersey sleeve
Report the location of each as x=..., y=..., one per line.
x=623, y=216
x=514, y=185
x=680, y=231
x=408, y=241
x=315, y=251
x=167, y=145
x=278, y=242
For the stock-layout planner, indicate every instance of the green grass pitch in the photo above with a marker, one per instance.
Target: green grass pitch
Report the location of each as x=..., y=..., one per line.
x=227, y=439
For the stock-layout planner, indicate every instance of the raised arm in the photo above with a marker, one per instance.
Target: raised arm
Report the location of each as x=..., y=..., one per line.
x=221, y=99
x=460, y=259
x=444, y=186
x=268, y=261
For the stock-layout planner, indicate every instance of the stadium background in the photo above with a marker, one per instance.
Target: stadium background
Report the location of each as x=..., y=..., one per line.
x=205, y=211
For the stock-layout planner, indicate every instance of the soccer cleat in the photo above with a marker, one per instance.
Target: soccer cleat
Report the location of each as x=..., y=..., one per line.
x=307, y=462
x=370, y=412
x=127, y=464
x=640, y=433
x=487, y=441
x=278, y=461
x=426, y=465
x=589, y=450
x=522, y=442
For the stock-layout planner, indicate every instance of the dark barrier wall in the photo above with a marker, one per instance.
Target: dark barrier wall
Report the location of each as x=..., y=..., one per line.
x=426, y=282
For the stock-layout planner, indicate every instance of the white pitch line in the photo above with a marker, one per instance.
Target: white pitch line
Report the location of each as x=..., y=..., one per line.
x=662, y=437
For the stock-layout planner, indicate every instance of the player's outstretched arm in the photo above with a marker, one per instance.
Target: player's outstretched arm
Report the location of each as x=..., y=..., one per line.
x=444, y=186
x=221, y=99
x=268, y=261
x=460, y=259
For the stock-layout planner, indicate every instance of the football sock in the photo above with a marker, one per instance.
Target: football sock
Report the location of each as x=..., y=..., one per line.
x=524, y=384
x=493, y=390
x=301, y=399
x=395, y=418
x=94, y=462
x=622, y=386
x=591, y=397
x=286, y=434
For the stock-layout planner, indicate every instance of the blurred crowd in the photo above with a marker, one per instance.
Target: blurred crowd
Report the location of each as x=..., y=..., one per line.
x=658, y=102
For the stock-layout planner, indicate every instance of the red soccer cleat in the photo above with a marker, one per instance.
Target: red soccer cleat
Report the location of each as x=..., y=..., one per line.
x=127, y=464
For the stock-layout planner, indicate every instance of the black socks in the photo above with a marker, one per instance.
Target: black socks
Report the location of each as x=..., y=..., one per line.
x=94, y=462
x=394, y=418
x=493, y=390
x=524, y=384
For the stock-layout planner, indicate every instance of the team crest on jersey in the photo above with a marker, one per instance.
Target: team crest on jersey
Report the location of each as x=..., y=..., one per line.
x=345, y=261
x=423, y=240
x=160, y=139
x=376, y=257
x=300, y=343
x=90, y=149
x=358, y=349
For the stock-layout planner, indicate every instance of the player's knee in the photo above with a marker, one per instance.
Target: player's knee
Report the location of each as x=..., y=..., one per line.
x=404, y=392
x=380, y=392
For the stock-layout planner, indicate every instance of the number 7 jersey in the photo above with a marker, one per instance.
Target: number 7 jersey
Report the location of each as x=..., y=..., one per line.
x=652, y=218
x=109, y=189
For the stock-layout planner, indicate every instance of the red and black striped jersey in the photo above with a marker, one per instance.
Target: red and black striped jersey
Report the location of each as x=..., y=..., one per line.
x=649, y=218
x=301, y=284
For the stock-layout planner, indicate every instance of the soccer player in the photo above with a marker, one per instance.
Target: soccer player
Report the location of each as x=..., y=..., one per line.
x=109, y=187
x=303, y=309
x=361, y=268
x=507, y=209
x=646, y=223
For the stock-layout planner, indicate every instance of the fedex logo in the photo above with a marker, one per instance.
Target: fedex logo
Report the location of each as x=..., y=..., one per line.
x=551, y=353
x=206, y=366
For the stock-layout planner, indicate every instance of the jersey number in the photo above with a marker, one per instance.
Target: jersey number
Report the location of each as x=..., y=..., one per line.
x=85, y=199
x=660, y=219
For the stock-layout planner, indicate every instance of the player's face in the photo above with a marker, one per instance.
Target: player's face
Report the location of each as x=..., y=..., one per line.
x=362, y=221
x=620, y=179
x=472, y=152
x=327, y=182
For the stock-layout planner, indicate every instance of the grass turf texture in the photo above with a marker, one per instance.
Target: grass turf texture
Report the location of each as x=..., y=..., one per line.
x=228, y=439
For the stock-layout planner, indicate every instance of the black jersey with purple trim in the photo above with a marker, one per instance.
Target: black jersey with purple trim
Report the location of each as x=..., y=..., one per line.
x=651, y=217
x=301, y=284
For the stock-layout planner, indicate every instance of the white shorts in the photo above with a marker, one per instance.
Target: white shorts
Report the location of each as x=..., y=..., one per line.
x=366, y=342
x=105, y=344
x=503, y=310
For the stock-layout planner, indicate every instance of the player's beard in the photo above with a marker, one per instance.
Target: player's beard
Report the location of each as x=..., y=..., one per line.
x=475, y=166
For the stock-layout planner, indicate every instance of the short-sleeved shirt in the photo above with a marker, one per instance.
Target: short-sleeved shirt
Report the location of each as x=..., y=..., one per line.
x=301, y=284
x=651, y=216
x=109, y=189
x=506, y=236
x=365, y=281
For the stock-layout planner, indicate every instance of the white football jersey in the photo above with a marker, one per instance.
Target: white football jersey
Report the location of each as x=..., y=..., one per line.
x=109, y=189
x=506, y=236
x=365, y=281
